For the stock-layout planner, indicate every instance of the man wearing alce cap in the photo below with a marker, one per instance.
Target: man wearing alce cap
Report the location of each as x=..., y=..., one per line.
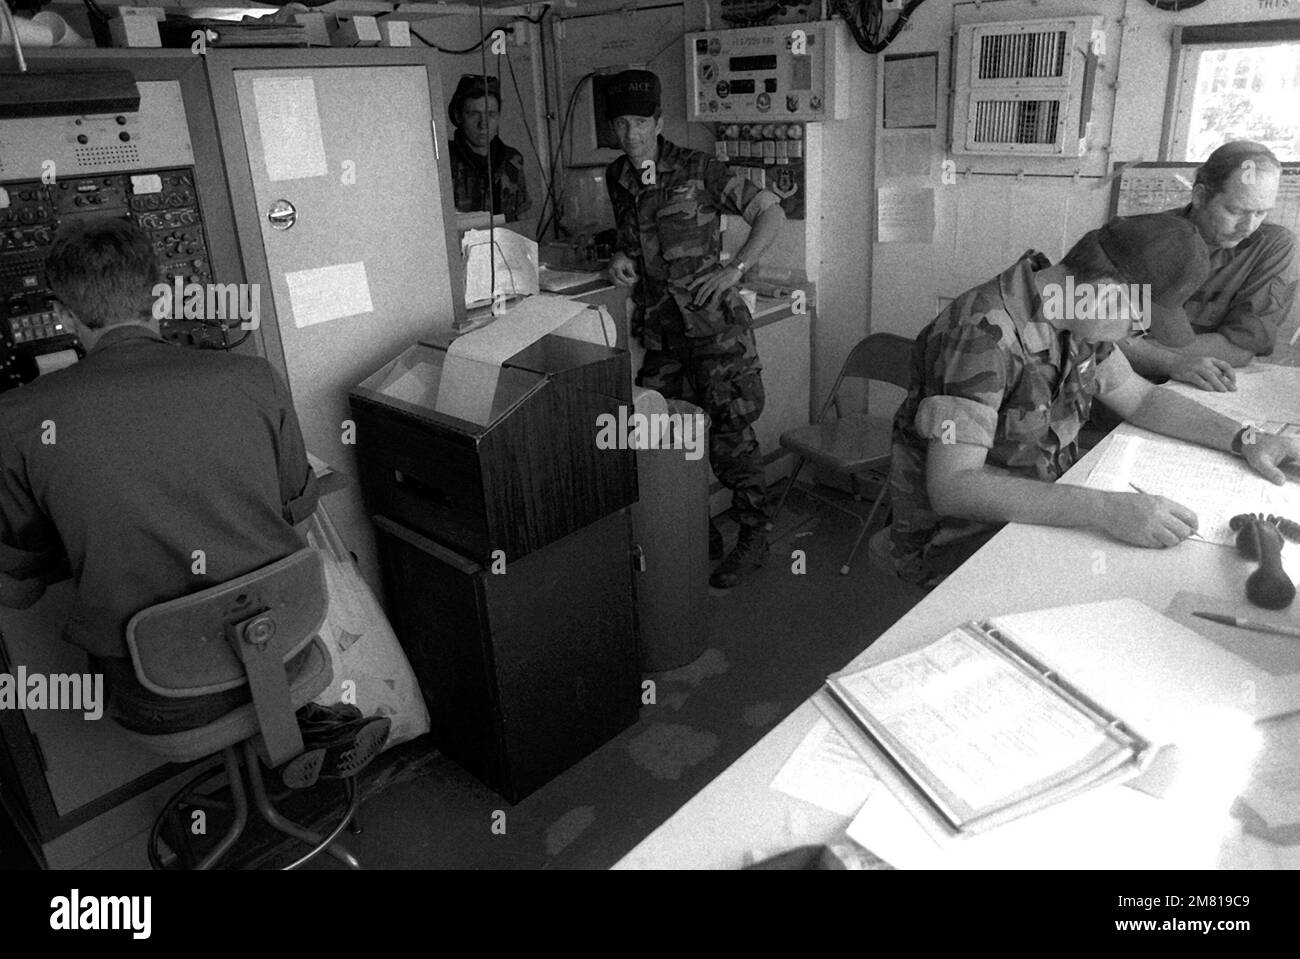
x=698, y=334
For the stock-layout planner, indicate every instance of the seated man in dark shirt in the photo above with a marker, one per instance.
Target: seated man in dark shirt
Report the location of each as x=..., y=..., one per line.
x=157, y=471
x=1236, y=313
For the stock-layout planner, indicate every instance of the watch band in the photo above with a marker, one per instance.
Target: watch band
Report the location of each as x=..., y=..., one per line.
x=1239, y=440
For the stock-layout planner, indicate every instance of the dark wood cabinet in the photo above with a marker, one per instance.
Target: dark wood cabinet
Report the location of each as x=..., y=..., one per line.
x=528, y=473
x=505, y=548
x=526, y=670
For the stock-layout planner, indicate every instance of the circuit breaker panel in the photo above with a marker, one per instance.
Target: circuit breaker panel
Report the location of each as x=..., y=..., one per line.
x=55, y=171
x=806, y=71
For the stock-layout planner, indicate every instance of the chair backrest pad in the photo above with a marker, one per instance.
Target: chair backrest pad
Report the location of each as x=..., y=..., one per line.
x=187, y=646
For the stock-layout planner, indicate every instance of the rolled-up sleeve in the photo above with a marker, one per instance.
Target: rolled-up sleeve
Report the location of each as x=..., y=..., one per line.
x=968, y=379
x=1263, y=302
x=735, y=194
x=1113, y=369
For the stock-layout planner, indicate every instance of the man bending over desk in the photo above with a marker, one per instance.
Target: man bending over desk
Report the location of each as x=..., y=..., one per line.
x=1002, y=381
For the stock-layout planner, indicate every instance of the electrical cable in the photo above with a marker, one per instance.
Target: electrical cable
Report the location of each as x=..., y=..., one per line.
x=866, y=19
x=532, y=143
x=559, y=149
x=491, y=171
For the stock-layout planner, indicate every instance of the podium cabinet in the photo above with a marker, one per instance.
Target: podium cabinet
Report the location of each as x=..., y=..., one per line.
x=505, y=548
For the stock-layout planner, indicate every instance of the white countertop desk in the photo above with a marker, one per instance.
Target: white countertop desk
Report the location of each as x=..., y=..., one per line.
x=1023, y=568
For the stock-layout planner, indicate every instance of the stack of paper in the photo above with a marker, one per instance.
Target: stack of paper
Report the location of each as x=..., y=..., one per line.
x=1215, y=485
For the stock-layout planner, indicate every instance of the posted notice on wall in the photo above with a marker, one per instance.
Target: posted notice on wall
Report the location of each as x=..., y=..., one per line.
x=905, y=215
x=328, y=293
x=289, y=124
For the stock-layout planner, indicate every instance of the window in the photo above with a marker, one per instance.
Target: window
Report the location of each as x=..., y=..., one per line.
x=1236, y=82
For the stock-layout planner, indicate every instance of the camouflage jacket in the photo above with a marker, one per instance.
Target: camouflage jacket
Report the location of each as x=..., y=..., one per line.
x=991, y=372
x=469, y=178
x=672, y=229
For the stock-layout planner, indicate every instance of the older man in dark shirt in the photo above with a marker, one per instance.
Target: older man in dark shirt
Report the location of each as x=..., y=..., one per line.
x=1236, y=313
x=157, y=471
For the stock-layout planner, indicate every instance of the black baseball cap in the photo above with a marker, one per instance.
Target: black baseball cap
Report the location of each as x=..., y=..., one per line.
x=632, y=93
x=1167, y=252
x=1163, y=251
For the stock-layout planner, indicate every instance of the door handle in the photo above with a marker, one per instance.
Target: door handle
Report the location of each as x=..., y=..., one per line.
x=282, y=215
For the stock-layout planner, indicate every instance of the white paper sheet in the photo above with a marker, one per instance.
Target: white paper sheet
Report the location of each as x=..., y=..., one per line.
x=1215, y=485
x=1271, y=388
x=905, y=216
x=1112, y=827
x=328, y=293
x=473, y=365
x=289, y=123
x=826, y=771
x=516, y=265
x=910, y=90
x=49, y=362
x=980, y=724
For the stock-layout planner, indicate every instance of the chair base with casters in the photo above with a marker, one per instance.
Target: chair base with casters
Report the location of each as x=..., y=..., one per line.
x=172, y=840
x=858, y=445
x=249, y=631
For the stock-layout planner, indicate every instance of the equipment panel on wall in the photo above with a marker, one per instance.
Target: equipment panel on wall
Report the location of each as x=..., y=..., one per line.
x=769, y=154
x=798, y=71
x=56, y=171
x=162, y=203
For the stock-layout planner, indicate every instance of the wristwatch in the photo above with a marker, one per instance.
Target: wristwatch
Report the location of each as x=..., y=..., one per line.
x=1240, y=439
x=739, y=264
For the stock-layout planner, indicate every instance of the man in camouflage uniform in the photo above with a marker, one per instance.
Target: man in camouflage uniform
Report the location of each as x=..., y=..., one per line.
x=475, y=110
x=1002, y=381
x=668, y=204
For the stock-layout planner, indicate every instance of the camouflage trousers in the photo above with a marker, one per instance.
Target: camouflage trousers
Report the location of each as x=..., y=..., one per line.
x=723, y=376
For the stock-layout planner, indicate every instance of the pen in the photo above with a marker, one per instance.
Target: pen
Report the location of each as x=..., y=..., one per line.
x=1138, y=489
x=1250, y=624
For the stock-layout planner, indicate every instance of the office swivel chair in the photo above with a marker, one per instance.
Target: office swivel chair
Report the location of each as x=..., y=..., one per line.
x=241, y=632
x=857, y=445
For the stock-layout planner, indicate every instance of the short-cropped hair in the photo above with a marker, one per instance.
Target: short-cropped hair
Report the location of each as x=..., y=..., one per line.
x=104, y=271
x=1220, y=165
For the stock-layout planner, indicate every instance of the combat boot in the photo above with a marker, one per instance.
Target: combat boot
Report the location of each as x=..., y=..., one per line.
x=747, y=556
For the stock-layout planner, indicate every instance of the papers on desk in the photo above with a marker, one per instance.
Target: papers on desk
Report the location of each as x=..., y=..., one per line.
x=557, y=281
x=1270, y=803
x=980, y=731
x=1108, y=828
x=472, y=369
x=515, y=260
x=953, y=709
x=1215, y=485
x=1278, y=656
x=826, y=771
x=1269, y=387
